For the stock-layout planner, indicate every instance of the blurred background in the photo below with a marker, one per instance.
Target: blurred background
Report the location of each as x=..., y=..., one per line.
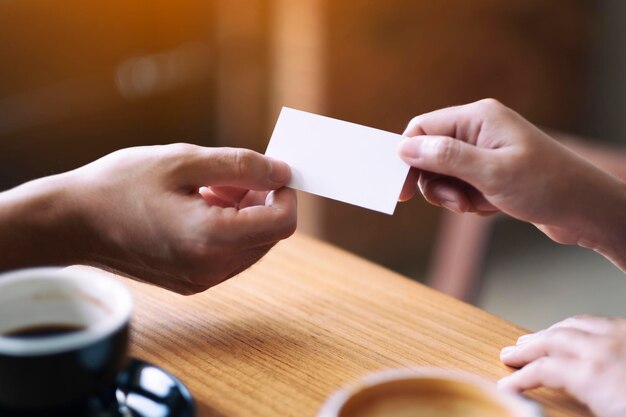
x=81, y=79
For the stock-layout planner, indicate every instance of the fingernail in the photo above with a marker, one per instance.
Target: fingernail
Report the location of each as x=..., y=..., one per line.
x=525, y=338
x=507, y=352
x=409, y=148
x=504, y=383
x=447, y=199
x=452, y=206
x=280, y=171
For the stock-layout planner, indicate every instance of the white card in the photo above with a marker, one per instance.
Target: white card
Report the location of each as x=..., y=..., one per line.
x=340, y=160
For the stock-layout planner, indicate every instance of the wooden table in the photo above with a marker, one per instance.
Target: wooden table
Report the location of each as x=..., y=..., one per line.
x=278, y=339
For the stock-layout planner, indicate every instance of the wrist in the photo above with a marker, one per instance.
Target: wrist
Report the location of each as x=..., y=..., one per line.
x=39, y=224
x=607, y=236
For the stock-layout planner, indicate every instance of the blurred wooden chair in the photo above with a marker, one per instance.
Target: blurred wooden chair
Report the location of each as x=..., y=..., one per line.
x=459, y=254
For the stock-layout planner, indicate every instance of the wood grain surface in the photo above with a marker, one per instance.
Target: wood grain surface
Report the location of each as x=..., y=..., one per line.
x=307, y=319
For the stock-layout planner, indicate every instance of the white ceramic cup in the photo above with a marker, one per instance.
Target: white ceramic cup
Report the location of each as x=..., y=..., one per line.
x=426, y=393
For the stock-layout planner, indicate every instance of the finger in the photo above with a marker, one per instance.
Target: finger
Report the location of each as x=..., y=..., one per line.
x=454, y=195
x=591, y=324
x=445, y=155
x=443, y=122
x=256, y=225
x=558, y=342
x=212, y=199
x=555, y=373
x=442, y=191
x=478, y=203
x=460, y=122
x=234, y=195
x=487, y=213
x=410, y=185
x=254, y=198
x=233, y=166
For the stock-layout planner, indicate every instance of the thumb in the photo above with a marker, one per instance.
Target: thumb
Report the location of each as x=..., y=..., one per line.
x=445, y=155
x=234, y=167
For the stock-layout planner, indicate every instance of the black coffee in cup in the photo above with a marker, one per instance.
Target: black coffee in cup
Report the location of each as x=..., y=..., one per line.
x=63, y=341
x=43, y=330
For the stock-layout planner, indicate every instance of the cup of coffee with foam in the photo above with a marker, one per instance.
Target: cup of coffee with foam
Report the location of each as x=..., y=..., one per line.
x=426, y=393
x=63, y=341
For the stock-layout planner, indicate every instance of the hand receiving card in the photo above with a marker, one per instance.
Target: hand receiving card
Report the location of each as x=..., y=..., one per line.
x=340, y=160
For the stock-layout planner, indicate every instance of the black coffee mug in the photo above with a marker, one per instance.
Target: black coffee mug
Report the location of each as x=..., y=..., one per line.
x=63, y=341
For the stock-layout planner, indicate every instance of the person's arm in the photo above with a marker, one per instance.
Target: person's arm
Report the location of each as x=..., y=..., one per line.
x=179, y=216
x=611, y=159
x=38, y=225
x=484, y=157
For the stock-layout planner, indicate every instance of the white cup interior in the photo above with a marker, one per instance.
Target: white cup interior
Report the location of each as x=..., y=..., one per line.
x=38, y=297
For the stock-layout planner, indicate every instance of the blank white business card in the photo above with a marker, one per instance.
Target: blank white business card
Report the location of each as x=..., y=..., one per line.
x=340, y=160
